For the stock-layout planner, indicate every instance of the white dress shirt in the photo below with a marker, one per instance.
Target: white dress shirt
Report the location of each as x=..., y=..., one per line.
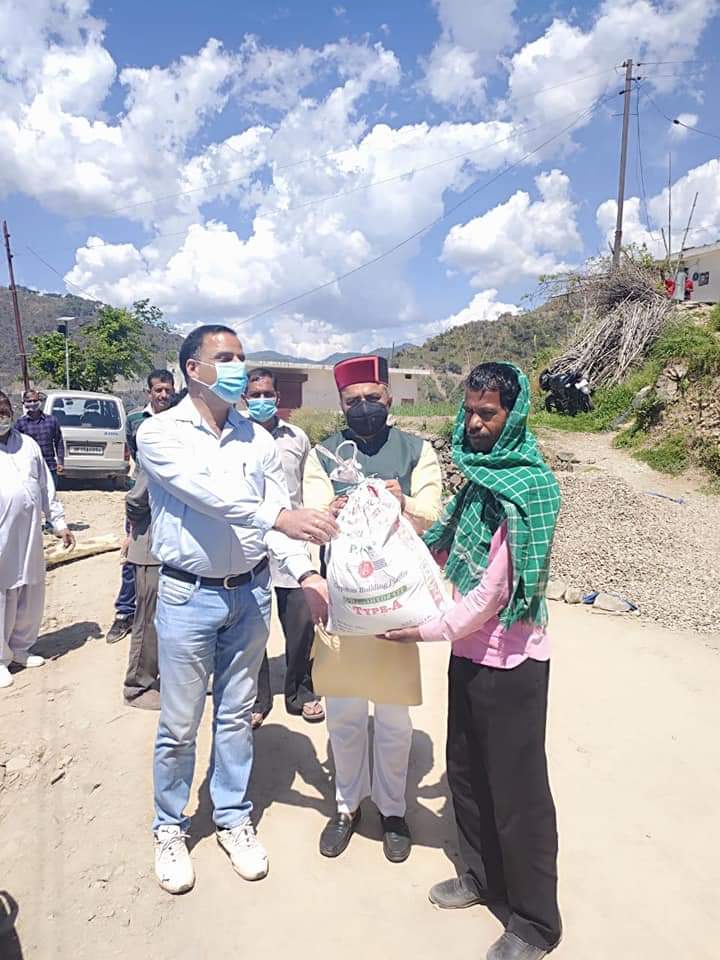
x=294, y=447
x=26, y=491
x=215, y=500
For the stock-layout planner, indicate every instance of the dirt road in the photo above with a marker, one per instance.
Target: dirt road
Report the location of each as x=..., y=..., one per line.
x=633, y=746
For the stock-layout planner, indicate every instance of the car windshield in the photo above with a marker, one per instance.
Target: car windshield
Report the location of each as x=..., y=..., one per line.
x=93, y=413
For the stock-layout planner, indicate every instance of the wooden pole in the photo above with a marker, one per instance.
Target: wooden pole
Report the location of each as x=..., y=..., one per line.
x=16, y=309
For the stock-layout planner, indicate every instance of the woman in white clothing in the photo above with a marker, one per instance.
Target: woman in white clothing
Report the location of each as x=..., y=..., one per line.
x=26, y=491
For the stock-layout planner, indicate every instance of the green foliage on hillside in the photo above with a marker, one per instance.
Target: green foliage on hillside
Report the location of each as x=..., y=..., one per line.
x=519, y=339
x=40, y=313
x=113, y=345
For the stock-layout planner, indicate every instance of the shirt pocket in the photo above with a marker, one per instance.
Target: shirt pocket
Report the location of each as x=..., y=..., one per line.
x=175, y=592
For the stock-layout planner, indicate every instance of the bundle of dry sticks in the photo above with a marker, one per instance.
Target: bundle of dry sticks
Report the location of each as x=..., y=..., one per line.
x=623, y=313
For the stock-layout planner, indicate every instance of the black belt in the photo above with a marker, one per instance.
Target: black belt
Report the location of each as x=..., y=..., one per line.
x=235, y=580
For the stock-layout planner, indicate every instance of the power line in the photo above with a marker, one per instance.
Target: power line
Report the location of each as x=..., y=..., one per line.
x=643, y=190
x=522, y=131
x=295, y=163
x=679, y=123
x=418, y=233
x=578, y=118
x=90, y=296
x=657, y=63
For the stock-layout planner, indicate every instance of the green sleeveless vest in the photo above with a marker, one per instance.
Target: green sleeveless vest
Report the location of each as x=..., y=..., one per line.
x=391, y=456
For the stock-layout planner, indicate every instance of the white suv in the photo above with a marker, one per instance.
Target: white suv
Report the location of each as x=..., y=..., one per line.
x=93, y=429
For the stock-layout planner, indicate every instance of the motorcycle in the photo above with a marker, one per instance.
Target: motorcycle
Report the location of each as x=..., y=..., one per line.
x=568, y=393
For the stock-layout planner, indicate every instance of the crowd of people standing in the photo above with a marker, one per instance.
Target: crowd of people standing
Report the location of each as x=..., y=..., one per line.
x=229, y=502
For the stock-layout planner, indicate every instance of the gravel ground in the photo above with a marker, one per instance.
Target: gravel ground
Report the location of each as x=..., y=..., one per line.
x=663, y=556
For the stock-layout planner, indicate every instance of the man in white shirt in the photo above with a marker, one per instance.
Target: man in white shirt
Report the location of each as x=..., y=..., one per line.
x=219, y=504
x=26, y=490
x=262, y=400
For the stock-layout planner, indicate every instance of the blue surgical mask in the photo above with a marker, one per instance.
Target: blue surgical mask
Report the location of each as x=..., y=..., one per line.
x=231, y=379
x=262, y=409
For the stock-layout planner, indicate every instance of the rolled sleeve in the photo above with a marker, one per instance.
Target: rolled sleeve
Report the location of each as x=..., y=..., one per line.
x=266, y=516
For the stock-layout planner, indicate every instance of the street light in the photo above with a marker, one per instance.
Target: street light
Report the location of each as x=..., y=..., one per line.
x=63, y=327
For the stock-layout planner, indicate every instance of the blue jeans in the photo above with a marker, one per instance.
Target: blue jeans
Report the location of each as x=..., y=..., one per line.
x=125, y=603
x=204, y=630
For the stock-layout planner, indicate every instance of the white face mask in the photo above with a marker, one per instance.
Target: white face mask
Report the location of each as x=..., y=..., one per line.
x=5, y=426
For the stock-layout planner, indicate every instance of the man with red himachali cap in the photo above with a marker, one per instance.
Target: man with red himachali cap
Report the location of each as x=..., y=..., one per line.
x=350, y=671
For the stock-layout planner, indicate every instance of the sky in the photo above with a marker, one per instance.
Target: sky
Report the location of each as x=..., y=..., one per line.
x=345, y=175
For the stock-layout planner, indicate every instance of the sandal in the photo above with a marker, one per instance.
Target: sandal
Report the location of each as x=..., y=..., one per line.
x=256, y=720
x=313, y=711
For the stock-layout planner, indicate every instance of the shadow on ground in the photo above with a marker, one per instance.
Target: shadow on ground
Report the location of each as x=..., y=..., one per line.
x=10, y=947
x=57, y=643
x=282, y=754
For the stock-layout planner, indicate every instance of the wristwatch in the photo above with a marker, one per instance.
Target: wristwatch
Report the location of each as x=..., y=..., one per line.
x=308, y=573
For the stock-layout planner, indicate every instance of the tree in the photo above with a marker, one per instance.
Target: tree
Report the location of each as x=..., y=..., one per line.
x=111, y=346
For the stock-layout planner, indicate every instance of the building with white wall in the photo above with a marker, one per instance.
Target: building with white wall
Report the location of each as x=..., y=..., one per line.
x=313, y=386
x=703, y=267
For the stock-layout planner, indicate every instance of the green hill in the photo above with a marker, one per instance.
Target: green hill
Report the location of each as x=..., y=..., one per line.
x=40, y=312
x=452, y=354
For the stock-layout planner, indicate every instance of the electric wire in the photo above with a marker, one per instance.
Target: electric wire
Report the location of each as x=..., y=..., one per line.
x=418, y=233
x=578, y=118
x=294, y=163
x=641, y=166
x=679, y=123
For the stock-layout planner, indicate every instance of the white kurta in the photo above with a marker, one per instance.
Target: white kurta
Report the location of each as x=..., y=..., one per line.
x=26, y=491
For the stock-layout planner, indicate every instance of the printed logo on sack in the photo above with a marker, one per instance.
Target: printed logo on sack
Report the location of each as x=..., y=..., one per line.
x=366, y=569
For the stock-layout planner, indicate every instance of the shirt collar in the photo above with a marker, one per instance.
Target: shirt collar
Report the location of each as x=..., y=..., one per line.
x=187, y=411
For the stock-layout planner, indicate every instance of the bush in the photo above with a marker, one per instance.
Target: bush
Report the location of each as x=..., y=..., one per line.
x=714, y=319
x=442, y=408
x=671, y=455
x=696, y=346
x=707, y=454
x=317, y=424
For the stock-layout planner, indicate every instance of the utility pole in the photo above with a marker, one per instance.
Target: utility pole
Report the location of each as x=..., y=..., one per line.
x=63, y=327
x=16, y=309
x=623, y=163
x=670, y=208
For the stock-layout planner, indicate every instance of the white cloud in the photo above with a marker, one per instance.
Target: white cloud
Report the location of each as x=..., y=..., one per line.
x=634, y=228
x=705, y=228
x=678, y=131
x=650, y=31
x=483, y=306
x=520, y=238
x=267, y=239
x=472, y=37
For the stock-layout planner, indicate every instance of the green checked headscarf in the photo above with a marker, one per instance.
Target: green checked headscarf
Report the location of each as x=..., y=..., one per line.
x=511, y=482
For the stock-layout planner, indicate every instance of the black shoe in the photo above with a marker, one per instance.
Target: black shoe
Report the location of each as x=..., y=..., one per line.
x=397, y=842
x=336, y=835
x=510, y=947
x=456, y=894
x=121, y=627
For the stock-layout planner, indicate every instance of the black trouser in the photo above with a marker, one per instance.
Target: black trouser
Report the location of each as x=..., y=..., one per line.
x=497, y=771
x=142, y=671
x=299, y=631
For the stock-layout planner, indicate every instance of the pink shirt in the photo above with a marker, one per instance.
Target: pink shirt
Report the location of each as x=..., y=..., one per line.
x=472, y=624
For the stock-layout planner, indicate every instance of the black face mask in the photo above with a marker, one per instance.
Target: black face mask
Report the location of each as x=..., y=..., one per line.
x=367, y=418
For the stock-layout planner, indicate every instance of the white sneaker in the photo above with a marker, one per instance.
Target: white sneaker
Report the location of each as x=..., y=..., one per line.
x=173, y=866
x=246, y=853
x=6, y=678
x=29, y=660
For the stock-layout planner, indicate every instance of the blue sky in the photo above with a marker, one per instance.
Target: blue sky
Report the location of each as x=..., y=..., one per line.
x=194, y=153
